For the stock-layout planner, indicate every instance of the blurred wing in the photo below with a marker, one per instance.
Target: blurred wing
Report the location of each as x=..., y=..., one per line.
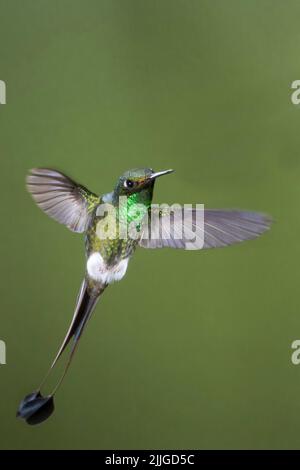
x=218, y=228
x=61, y=198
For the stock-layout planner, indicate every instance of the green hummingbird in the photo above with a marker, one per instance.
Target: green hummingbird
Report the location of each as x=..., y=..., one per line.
x=107, y=256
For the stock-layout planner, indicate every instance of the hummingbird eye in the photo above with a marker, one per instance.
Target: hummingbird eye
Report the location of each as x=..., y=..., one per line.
x=129, y=184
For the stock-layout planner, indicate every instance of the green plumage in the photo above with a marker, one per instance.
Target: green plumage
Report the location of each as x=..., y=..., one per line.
x=130, y=208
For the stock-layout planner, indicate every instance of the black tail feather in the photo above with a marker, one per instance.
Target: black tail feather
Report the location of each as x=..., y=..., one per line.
x=35, y=408
x=86, y=302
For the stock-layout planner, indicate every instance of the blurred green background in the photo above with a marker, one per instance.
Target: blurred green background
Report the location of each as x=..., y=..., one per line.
x=191, y=349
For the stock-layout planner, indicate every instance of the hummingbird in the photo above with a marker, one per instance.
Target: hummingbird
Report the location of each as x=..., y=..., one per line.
x=83, y=211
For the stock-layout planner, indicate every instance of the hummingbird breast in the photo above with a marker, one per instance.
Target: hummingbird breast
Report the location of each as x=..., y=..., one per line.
x=108, y=252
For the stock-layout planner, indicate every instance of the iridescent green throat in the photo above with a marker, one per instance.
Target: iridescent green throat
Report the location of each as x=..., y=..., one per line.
x=132, y=208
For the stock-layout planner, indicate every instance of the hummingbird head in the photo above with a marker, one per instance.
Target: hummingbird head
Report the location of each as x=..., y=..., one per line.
x=137, y=180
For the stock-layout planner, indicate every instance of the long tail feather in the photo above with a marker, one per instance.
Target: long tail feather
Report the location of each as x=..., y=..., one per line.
x=86, y=302
x=35, y=408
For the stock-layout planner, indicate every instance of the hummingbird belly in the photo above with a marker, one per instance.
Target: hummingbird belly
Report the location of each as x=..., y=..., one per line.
x=107, y=251
x=101, y=272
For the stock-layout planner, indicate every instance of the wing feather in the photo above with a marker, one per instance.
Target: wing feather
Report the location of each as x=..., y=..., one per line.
x=219, y=228
x=61, y=198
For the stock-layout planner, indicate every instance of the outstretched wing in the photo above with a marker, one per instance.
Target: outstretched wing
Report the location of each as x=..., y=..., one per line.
x=189, y=230
x=61, y=198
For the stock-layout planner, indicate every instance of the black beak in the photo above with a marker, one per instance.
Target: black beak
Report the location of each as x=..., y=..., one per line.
x=160, y=173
